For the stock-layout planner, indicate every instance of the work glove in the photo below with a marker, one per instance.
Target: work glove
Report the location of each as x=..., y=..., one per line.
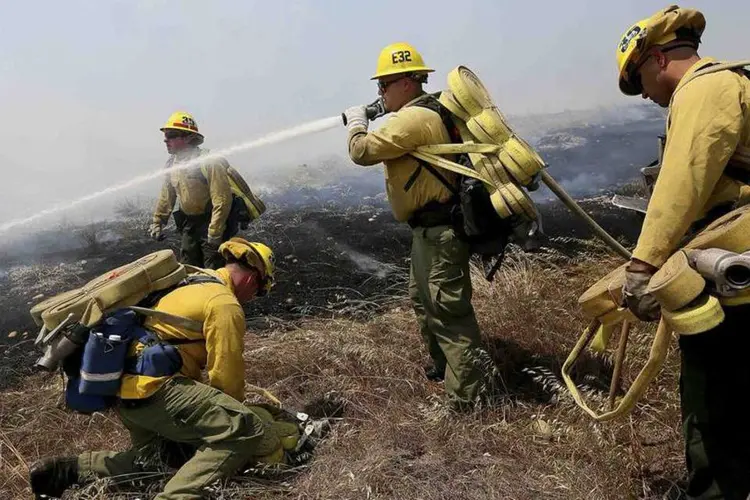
x=211, y=257
x=643, y=305
x=356, y=116
x=155, y=232
x=213, y=243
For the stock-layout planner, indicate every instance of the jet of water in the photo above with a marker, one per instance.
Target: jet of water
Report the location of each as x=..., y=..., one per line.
x=282, y=135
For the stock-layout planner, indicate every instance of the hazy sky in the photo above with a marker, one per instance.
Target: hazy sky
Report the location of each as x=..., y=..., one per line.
x=86, y=84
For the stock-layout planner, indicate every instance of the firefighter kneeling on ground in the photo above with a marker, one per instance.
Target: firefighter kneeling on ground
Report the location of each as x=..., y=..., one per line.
x=207, y=213
x=439, y=283
x=161, y=411
x=705, y=173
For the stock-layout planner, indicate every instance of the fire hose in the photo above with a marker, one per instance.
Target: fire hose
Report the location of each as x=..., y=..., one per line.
x=710, y=272
x=692, y=287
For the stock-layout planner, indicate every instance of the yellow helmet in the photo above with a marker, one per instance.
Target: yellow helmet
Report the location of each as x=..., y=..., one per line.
x=400, y=58
x=181, y=120
x=256, y=255
x=668, y=24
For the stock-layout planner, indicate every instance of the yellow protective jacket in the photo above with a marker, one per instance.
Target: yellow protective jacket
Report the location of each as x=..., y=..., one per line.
x=197, y=192
x=404, y=131
x=708, y=124
x=216, y=306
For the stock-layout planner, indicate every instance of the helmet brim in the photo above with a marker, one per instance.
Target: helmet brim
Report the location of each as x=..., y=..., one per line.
x=629, y=88
x=162, y=129
x=399, y=71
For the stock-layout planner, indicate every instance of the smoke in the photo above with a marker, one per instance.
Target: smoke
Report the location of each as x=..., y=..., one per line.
x=283, y=135
x=599, y=154
x=581, y=184
x=365, y=263
x=586, y=158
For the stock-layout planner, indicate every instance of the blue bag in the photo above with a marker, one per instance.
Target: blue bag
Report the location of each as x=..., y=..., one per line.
x=105, y=357
x=84, y=403
x=157, y=359
x=105, y=352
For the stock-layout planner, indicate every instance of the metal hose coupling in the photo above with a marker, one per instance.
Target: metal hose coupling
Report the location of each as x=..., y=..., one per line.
x=60, y=343
x=727, y=272
x=372, y=111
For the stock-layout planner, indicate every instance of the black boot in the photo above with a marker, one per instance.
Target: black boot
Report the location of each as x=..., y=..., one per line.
x=432, y=373
x=52, y=476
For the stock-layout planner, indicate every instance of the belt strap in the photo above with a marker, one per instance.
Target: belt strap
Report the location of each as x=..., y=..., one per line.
x=431, y=215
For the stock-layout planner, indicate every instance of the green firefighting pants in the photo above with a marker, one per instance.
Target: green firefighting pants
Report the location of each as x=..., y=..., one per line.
x=225, y=433
x=440, y=289
x=194, y=247
x=714, y=383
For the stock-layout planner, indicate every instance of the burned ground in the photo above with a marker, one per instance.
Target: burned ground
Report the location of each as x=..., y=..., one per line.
x=335, y=260
x=395, y=439
x=337, y=337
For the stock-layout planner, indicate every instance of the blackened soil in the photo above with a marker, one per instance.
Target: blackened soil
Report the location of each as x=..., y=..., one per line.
x=332, y=260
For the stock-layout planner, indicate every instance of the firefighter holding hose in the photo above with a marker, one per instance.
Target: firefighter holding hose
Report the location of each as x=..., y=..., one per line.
x=440, y=284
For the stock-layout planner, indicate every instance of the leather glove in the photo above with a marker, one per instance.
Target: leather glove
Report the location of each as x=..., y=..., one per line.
x=356, y=116
x=211, y=257
x=213, y=243
x=643, y=305
x=155, y=232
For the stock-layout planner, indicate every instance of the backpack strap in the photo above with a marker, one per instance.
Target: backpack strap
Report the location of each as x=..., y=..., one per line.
x=461, y=148
x=715, y=68
x=173, y=319
x=430, y=102
x=441, y=162
x=711, y=67
x=424, y=165
x=150, y=338
x=742, y=155
x=196, y=276
x=737, y=173
x=254, y=206
x=169, y=162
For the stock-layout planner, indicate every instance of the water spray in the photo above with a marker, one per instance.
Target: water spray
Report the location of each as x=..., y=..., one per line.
x=282, y=135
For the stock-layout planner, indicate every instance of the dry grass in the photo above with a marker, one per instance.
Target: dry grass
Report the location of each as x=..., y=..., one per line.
x=135, y=218
x=38, y=278
x=395, y=439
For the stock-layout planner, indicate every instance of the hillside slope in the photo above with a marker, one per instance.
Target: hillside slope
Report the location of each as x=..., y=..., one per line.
x=394, y=440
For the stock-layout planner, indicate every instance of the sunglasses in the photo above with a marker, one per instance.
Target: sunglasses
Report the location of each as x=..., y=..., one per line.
x=633, y=69
x=383, y=86
x=174, y=134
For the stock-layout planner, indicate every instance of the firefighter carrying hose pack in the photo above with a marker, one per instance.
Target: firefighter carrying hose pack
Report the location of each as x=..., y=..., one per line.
x=705, y=173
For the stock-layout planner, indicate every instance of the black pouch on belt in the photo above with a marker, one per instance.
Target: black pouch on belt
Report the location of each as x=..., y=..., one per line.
x=433, y=214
